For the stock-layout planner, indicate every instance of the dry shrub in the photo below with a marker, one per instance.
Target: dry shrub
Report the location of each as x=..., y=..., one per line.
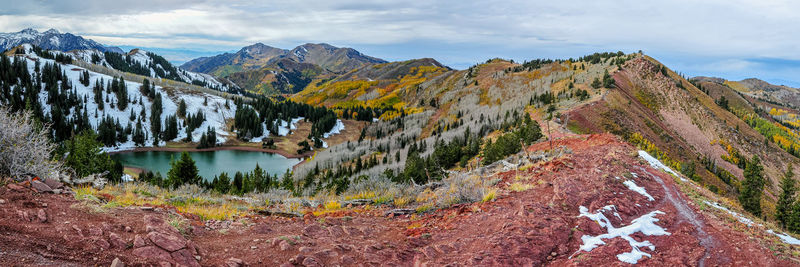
x=25, y=148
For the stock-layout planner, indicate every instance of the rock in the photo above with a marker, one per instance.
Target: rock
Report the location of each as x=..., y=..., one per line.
x=117, y=263
x=305, y=249
x=326, y=254
x=184, y=257
x=152, y=253
x=2, y=201
x=53, y=183
x=138, y=241
x=165, y=264
x=41, y=187
x=347, y=260
x=15, y=187
x=58, y=191
x=42, y=216
x=95, y=231
x=146, y=208
x=167, y=242
x=117, y=241
x=234, y=262
x=102, y=243
x=253, y=247
x=128, y=229
x=396, y=212
x=312, y=230
x=284, y=245
x=311, y=262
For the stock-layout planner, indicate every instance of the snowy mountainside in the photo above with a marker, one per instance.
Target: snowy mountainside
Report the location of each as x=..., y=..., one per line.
x=216, y=110
x=52, y=40
x=149, y=64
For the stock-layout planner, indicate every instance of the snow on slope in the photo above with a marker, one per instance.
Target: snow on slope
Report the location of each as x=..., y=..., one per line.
x=655, y=163
x=644, y=224
x=216, y=113
x=638, y=189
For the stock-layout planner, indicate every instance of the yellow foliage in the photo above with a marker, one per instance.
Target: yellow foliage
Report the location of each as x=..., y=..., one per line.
x=519, y=187
x=490, y=195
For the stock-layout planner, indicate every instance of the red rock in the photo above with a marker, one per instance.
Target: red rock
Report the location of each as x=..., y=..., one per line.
x=184, y=257
x=95, y=231
x=312, y=230
x=117, y=241
x=15, y=187
x=42, y=216
x=152, y=253
x=117, y=263
x=311, y=262
x=41, y=187
x=167, y=242
x=284, y=245
x=234, y=262
x=138, y=241
x=53, y=183
x=102, y=243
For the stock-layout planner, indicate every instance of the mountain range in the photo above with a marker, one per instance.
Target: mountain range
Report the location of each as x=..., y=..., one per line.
x=264, y=69
x=52, y=40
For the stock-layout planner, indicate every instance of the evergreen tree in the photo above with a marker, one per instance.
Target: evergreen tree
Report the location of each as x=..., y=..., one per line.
x=786, y=198
x=182, y=109
x=752, y=187
x=86, y=157
x=183, y=171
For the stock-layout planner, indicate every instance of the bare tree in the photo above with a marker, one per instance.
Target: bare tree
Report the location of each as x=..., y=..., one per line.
x=25, y=148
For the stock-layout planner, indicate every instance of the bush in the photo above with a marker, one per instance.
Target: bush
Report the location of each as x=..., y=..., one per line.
x=24, y=147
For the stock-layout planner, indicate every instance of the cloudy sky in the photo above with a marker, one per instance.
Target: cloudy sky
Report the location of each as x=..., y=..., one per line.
x=734, y=39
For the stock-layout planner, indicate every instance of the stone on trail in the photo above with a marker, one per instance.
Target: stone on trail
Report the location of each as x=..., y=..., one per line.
x=167, y=242
x=41, y=187
x=117, y=263
x=234, y=262
x=42, y=216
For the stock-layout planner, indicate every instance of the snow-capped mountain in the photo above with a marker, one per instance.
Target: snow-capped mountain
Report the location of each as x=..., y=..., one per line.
x=149, y=64
x=51, y=40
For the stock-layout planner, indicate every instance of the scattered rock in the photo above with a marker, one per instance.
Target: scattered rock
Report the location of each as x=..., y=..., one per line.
x=146, y=208
x=153, y=253
x=117, y=241
x=102, y=243
x=167, y=242
x=53, y=184
x=312, y=230
x=234, y=262
x=2, y=201
x=128, y=229
x=284, y=245
x=117, y=263
x=279, y=213
x=305, y=249
x=57, y=191
x=95, y=231
x=138, y=241
x=41, y=187
x=42, y=216
x=15, y=187
x=165, y=264
x=311, y=262
x=184, y=257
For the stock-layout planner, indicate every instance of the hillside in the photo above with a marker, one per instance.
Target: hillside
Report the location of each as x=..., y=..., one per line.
x=267, y=70
x=51, y=40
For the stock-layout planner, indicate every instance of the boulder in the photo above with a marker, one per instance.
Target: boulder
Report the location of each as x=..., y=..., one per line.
x=311, y=262
x=41, y=187
x=117, y=263
x=53, y=183
x=152, y=253
x=167, y=242
x=184, y=257
x=117, y=241
x=138, y=241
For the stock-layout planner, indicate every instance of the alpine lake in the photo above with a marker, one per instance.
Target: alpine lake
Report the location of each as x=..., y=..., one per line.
x=209, y=163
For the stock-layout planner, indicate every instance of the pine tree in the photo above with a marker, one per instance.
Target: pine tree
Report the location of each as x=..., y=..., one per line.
x=786, y=198
x=182, y=109
x=752, y=187
x=183, y=171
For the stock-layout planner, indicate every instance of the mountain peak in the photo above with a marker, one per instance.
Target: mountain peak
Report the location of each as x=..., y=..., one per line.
x=29, y=31
x=52, y=31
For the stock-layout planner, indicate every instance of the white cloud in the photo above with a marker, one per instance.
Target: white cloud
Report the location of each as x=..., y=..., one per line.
x=732, y=28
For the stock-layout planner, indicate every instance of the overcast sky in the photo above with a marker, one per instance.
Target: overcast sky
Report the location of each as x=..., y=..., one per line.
x=734, y=39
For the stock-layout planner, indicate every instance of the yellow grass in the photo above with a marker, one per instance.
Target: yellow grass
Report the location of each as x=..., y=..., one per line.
x=519, y=187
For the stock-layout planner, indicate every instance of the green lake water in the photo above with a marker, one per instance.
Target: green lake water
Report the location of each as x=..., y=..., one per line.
x=209, y=163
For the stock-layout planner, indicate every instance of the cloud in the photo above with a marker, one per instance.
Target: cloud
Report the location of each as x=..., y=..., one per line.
x=521, y=29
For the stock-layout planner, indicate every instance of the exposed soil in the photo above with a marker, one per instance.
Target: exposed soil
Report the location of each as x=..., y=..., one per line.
x=536, y=227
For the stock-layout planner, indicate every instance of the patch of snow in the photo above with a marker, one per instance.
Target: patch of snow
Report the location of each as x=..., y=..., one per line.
x=644, y=224
x=785, y=238
x=284, y=126
x=127, y=178
x=638, y=189
x=655, y=163
x=738, y=216
x=335, y=130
